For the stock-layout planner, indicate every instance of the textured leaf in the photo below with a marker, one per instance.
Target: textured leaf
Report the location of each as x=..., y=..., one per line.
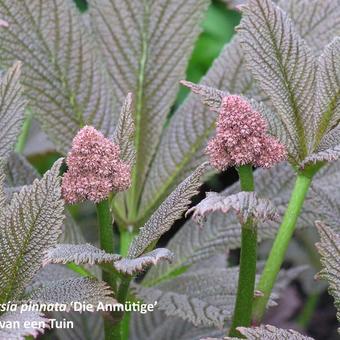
x=25, y=319
x=192, y=309
x=19, y=171
x=168, y=212
x=209, y=95
x=2, y=192
x=84, y=289
x=283, y=65
x=86, y=325
x=328, y=89
x=323, y=200
x=268, y=332
x=146, y=46
x=155, y=326
x=210, y=282
x=12, y=108
x=139, y=264
x=29, y=225
x=125, y=130
x=182, y=145
x=50, y=274
x=245, y=204
x=215, y=287
x=316, y=20
x=79, y=254
x=183, y=142
x=329, y=249
x=222, y=232
x=63, y=75
x=329, y=155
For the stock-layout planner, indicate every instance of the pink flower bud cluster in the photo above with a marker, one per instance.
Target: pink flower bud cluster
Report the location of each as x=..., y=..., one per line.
x=94, y=168
x=241, y=138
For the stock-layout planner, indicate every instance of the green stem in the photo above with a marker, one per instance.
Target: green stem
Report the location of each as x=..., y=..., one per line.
x=283, y=237
x=79, y=269
x=126, y=237
x=19, y=148
x=246, y=281
x=106, y=243
x=122, y=294
x=308, y=310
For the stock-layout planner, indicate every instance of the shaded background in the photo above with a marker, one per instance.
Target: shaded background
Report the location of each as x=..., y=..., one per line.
x=313, y=313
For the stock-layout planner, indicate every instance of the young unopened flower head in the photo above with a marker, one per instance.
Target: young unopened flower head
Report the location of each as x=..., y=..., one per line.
x=241, y=137
x=94, y=168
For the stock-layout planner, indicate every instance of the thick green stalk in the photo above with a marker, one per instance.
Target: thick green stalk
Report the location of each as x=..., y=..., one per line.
x=283, y=237
x=112, y=332
x=126, y=237
x=119, y=327
x=246, y=281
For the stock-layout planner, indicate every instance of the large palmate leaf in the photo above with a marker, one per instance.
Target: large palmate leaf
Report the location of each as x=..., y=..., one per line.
x=62, y=73
x=317, y=21
x=25, y=320
x=268, y=332
x=146, y=46
x=29, y=225
x=168, y=212
x=329, y=249
x=83, y=289
x=284, y=67
x=245, y=204
x=12, y=107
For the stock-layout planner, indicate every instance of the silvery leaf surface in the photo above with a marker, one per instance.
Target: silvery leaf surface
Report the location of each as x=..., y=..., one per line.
x=12, y=109
x=146, y=45
x=167, y=213
x=30, y=224
x=79, y=254
x=139, y=264
x=329, y=249
x=25, y=329
x=244, y=204
x=63, y=75
x=284, y=67
x=82, y=289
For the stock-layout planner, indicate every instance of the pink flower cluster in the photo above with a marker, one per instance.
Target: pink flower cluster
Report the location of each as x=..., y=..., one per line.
x=94, y=168
x=241, y=137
